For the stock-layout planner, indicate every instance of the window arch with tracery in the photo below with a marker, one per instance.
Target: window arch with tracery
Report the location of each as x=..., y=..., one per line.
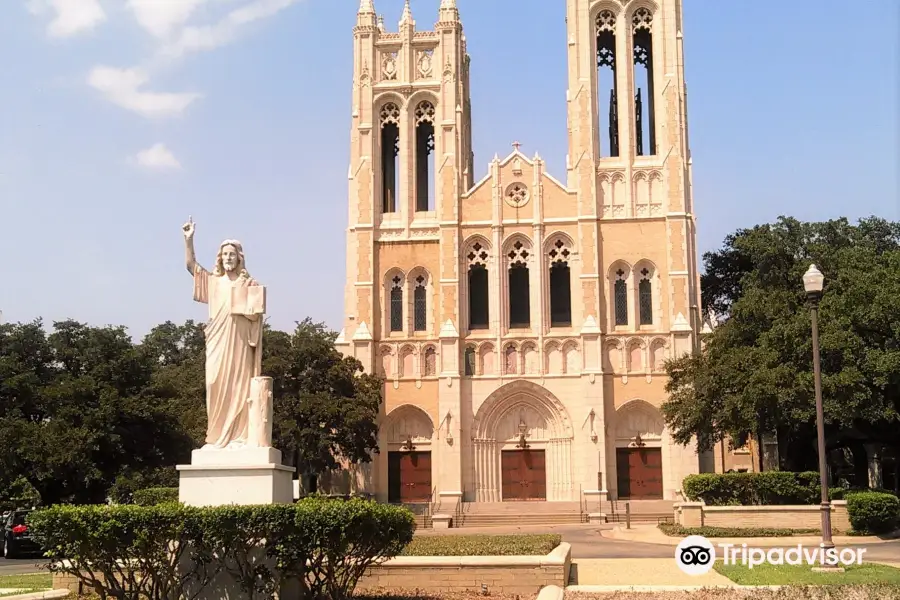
x=396, y=307
x=425, y=172
x=420, y=304
x=620, y=297
x=645, y=297
x=607, y=88
x=560, y=283
x=389, y=120
x=642, y=43
x=519, y=288
x=477, y=258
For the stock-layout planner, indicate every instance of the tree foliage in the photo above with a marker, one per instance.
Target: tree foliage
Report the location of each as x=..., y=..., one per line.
x=755, y=374
x=87, y=414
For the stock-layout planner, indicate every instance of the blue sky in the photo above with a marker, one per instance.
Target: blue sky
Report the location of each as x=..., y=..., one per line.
x=119, y=118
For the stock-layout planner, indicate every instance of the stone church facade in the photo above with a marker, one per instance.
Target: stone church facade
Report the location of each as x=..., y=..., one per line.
x=521, y=321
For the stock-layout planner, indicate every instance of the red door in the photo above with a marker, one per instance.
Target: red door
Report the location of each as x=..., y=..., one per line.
x=409, y=477
x=523, y=475
x=639, y=473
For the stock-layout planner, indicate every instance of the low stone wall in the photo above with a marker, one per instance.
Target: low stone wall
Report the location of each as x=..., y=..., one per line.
x=698, y=514
x=501, y=574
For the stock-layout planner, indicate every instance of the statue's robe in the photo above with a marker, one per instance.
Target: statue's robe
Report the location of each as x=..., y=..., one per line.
x=233, y=352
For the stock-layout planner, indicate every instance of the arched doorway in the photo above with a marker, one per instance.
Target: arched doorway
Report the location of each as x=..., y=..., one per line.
x=639, y=451
x=409, y=432
x=522, y=446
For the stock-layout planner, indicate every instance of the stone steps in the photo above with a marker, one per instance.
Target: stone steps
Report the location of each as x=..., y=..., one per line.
x=508, y=520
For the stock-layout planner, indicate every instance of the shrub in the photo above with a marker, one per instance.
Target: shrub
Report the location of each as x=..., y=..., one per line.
x=747, y=489
x=873, y=512
x=153, y=496
x=674, y=530
x=844, y=493
x=172, y=551
x=483, y=545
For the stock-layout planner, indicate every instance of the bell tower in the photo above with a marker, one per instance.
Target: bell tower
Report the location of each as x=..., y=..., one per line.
x=410, y=160
x=629, y=157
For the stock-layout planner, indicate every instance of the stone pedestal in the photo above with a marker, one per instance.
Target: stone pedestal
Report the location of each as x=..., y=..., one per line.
x=235, y=476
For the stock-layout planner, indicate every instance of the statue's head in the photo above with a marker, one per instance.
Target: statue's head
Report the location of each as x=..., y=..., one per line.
x=230, y=259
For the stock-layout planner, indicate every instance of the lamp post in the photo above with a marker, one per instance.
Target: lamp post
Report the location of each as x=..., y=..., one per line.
x=813, y=282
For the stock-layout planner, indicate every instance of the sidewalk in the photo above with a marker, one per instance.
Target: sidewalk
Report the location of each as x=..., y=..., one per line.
x=650, y=534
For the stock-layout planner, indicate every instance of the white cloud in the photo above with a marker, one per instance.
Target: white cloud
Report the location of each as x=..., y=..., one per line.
x=157, y=157
x=207, y=37
x=161, y=18
x=70, y=16
x=123, y=87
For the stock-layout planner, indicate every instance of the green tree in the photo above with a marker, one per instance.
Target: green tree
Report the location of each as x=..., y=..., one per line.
x=755, y=374
x=326, y=407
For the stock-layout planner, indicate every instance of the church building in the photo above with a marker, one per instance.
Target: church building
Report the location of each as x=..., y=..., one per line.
x=521, y=321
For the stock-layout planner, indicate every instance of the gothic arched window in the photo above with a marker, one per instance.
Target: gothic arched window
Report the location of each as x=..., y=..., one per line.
x=645, y=298
x=620, y=298
x=560, y=285
x=397, y=303
x=519, y=287
x=390, y=156
x=420, y=315
x=479, y=296
x=424, y=115
x=605, y=32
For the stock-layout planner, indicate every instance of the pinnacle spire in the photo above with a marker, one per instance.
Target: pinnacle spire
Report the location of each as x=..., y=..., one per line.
x=406, y=17
x=366, y=7
x=381, y=23
x=448, y=4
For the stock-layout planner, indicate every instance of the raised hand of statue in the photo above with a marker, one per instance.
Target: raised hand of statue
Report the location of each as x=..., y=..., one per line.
x=188, y=229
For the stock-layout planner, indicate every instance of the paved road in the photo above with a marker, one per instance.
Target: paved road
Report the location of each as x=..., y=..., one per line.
x=17, y=566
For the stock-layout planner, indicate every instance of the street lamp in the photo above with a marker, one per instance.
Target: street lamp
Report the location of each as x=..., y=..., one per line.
x=813, y=282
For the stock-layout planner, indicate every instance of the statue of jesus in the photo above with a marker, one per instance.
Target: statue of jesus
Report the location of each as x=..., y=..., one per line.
x=233, y=339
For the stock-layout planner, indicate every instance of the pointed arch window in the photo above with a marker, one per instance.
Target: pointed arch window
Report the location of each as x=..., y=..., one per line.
x=519, y=287
x=424, y=115
x=620, y=298
x=560, y=285
x=645, y=298
x=390, y=156
x=642, y=42
x=607, y=96
x=478, y=287
x=420, y=314
x=397, y=304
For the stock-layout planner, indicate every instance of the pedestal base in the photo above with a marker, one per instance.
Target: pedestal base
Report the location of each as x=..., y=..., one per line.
x=235, y=476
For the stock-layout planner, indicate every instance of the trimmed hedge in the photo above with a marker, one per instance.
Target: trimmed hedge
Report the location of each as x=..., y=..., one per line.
x=753, y=489
x=673, y=530
x=483, y=545
x=873, y=512
x=153, y=496
x=173, y=551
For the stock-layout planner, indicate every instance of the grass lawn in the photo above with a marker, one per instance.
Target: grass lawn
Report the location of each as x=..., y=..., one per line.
x=804, y=575
x=27, y=583
x=482, y=545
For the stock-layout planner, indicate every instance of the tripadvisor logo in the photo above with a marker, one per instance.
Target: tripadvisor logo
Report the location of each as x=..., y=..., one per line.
x=696, y=555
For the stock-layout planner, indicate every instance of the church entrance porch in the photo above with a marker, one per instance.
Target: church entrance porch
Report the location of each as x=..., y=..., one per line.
x=521, y=447
x=639, y=473
x=523, y=475
x=409, y=477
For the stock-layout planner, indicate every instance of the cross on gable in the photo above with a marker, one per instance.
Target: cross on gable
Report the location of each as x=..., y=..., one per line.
x=516, y=145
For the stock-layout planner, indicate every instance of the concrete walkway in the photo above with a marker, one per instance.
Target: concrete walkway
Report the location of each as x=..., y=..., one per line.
x=651, y=534
x=639, y=571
